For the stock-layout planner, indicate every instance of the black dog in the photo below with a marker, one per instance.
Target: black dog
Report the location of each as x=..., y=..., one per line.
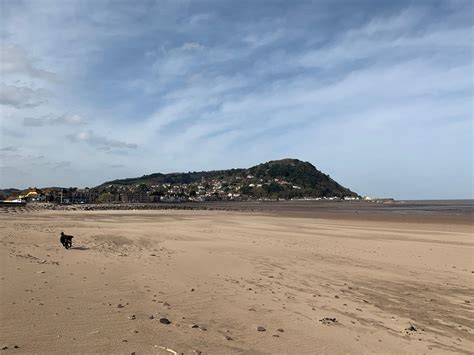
x=66, y=240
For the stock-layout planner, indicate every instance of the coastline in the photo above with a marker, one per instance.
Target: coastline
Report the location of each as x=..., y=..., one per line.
x=408, y=211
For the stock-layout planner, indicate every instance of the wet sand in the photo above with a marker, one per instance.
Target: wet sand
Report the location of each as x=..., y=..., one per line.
x=331, y=282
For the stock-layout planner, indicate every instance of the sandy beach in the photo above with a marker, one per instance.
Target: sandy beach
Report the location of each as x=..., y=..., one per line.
x=234, y=282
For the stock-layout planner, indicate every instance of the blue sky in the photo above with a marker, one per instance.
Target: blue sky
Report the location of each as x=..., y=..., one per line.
x=378, y=94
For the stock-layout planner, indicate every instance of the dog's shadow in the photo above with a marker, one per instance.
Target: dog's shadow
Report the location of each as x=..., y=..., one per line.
x=79, y=248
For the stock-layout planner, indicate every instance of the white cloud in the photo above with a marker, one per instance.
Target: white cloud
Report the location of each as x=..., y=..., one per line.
x=14, y=60
x=68, y=119
x=22, y=96
x=190, y=46
x=65, y=119
x=101, y=142
x=8, y=149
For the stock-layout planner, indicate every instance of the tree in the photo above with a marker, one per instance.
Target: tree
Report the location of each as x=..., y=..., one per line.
x=143, y=187
x=105, y=197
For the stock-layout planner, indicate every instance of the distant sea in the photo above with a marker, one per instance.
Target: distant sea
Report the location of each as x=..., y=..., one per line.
x=465, y=206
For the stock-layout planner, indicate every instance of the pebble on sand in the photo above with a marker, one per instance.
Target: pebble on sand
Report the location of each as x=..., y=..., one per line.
x=165, y=321
x=328, y=321
x=261, y=329
x=14, y=347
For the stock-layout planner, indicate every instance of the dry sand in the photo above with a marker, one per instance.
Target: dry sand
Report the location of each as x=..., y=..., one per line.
x=218, y=275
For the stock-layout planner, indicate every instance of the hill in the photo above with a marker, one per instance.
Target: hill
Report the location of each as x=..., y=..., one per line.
x=284, y=179
x=4, y=193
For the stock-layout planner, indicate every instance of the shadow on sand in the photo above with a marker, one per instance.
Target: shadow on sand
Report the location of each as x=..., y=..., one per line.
x=79, y=248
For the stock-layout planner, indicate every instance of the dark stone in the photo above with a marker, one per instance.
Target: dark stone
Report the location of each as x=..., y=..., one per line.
x=328, y=321
x=280, y=330
x=228, y=338
x=165, y=321
x=195, y=326
x=261, y=329
x=120, y=305
x=151, y=317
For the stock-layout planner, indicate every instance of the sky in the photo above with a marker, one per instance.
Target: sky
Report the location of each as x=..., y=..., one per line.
x=377, y=94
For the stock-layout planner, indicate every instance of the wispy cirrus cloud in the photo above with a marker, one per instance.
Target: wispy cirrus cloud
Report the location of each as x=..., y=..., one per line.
x=101, y=142
x=49, y=120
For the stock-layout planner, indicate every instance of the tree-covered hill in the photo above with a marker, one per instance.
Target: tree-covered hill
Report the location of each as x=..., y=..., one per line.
x=286, y=178
x=311, y=181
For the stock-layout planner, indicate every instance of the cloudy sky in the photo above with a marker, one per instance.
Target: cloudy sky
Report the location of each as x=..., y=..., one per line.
x=378, y=94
